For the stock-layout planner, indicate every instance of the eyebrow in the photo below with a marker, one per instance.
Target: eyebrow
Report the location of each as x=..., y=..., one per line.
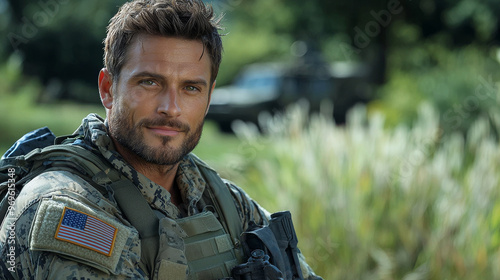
x=147, y=74
x=196, y=82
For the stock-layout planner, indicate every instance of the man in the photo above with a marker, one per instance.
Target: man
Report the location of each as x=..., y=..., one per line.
x=161, y=61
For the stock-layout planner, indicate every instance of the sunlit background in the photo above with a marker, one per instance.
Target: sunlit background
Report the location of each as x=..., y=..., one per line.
x=375, y=122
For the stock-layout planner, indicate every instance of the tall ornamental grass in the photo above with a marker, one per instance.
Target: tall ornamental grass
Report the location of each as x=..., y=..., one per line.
x=375, y=203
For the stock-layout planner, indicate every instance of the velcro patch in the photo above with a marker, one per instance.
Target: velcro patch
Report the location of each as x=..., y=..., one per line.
x=58, y=228
x=87, y=231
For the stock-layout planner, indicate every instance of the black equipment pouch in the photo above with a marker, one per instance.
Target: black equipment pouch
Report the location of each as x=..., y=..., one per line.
x=279, y=242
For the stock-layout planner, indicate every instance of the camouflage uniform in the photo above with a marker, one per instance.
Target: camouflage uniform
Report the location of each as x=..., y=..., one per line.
x=29, y=249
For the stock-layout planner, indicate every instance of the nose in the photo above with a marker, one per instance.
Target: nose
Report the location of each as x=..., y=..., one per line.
x=168, y=104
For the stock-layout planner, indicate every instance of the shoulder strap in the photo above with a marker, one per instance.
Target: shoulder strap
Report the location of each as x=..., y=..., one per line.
x=138, y=212
x=23, y=168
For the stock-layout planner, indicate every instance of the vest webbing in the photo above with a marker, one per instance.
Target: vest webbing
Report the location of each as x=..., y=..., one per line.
x=208, y=248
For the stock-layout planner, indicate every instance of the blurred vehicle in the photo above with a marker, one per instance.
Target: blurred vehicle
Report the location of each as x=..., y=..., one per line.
x=255, y=89
x=273, y=86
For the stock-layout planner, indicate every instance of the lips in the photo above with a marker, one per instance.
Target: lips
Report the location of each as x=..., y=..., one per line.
x=164, y=127
x=165, y=131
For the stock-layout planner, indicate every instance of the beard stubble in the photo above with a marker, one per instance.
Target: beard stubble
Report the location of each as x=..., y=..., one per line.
x=131, y=137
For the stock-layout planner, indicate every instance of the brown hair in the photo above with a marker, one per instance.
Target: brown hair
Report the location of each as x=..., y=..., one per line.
x=187, y=19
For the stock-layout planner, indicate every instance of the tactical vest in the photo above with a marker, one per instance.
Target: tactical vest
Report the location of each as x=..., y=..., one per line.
x=209, y=241
x=202, y=247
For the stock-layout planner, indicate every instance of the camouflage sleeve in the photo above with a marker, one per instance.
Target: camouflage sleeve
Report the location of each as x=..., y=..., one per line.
x=14, y=246
x=250, y=210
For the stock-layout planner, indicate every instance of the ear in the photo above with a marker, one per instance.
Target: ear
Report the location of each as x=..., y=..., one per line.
x=210, y=97
x=106, y=88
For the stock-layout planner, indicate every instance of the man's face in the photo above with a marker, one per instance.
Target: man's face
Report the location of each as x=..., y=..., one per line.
x=160, y=99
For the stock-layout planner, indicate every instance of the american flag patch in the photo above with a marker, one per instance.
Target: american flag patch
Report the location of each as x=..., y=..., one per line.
x=84, y=230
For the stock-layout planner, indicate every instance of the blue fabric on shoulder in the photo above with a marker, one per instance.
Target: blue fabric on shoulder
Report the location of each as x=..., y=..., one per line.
x=38, y=138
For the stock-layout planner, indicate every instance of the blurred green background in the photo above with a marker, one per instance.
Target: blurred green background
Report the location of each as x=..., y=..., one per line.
x=406, y=188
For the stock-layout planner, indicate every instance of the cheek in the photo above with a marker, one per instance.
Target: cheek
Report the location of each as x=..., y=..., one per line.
x=197, y=108
x=135, y=104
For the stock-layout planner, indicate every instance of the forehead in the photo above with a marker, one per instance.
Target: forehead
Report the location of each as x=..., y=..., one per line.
x=158, y=52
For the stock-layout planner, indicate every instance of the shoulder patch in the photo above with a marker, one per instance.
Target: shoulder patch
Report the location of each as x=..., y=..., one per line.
x=68, y=227
x=87, y=231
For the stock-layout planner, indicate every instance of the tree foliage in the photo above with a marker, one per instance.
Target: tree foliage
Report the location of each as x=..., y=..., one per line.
x=59, y=42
